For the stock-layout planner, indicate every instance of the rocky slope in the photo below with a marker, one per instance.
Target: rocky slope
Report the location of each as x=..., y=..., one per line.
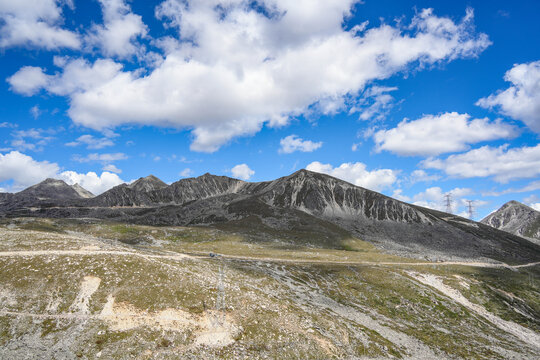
x=516, y=218
x=306, y=207
x=83, y=193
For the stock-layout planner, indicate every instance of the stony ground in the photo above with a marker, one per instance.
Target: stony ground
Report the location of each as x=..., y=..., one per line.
x=95, y=290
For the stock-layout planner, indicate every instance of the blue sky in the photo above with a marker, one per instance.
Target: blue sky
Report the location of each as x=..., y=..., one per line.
x=412, y=99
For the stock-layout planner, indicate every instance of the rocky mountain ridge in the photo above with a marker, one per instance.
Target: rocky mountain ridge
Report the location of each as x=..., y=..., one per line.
x=307, y=207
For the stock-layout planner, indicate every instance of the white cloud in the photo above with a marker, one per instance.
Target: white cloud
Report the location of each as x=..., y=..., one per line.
x=187, y=172
x=91, y=142
x=438, y=134
x=502, y=163
x=398, y=194
x=376, y=103
x=106, y=157
x=434, y=198
x=28, y=80
x=23, y=145
x=242, y=171
x=91, y=181
x=520, y=101
x=117, y=35
x=23, y=170
x=112, y=168
x=357, y=174
x=422, y=176
x=35, y=111
x=532, y=186
x=293, y=143
x=34, y=23
x=252, y=67
x=535, y=206
x=40, y=138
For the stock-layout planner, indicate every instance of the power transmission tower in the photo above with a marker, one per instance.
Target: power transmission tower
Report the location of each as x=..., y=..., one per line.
x=470, y=208
x=221, y=304
x=448, y=202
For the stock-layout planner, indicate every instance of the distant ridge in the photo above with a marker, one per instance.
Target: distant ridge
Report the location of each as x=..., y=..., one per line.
x=147, y=183
x=305, y=207
x=516, y=218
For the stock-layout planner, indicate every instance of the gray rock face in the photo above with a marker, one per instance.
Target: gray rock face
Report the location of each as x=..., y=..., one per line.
x=516, y=218
x=83, y=193
x=306, y=206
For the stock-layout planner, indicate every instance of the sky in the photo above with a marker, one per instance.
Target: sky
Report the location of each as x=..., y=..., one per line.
x=413, y=99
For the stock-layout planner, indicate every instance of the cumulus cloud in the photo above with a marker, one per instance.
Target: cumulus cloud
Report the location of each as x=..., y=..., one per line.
x=117, y=35
x=242, y=171
x=293, y=143
x=23, y=170
x=438, y=134
x=91, y=181
x=521, y=100
x=28, y=80
x=91, y=142
x=252, y=66
x=34, y=23
x=77, y=76
x=502, y=163
x=357, y=174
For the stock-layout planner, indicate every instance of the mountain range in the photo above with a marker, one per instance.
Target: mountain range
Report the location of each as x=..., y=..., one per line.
x=305, y=207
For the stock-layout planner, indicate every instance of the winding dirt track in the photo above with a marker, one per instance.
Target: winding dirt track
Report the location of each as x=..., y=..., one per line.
x=180, y=256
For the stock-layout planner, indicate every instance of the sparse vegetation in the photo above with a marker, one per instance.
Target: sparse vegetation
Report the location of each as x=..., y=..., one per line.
x=154, y=302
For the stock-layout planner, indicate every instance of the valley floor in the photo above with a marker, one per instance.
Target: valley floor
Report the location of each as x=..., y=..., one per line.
x=95, y=290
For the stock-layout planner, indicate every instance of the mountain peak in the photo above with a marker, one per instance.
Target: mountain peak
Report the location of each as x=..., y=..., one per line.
x=51, y=189
x=516, y=218
x=147, y=183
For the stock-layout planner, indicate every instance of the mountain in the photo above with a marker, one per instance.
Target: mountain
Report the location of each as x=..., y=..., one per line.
x=306, y=208
x=49, y=192
x=83, y=193
x=148, y=183
x=516, y=218
x=50, y=189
